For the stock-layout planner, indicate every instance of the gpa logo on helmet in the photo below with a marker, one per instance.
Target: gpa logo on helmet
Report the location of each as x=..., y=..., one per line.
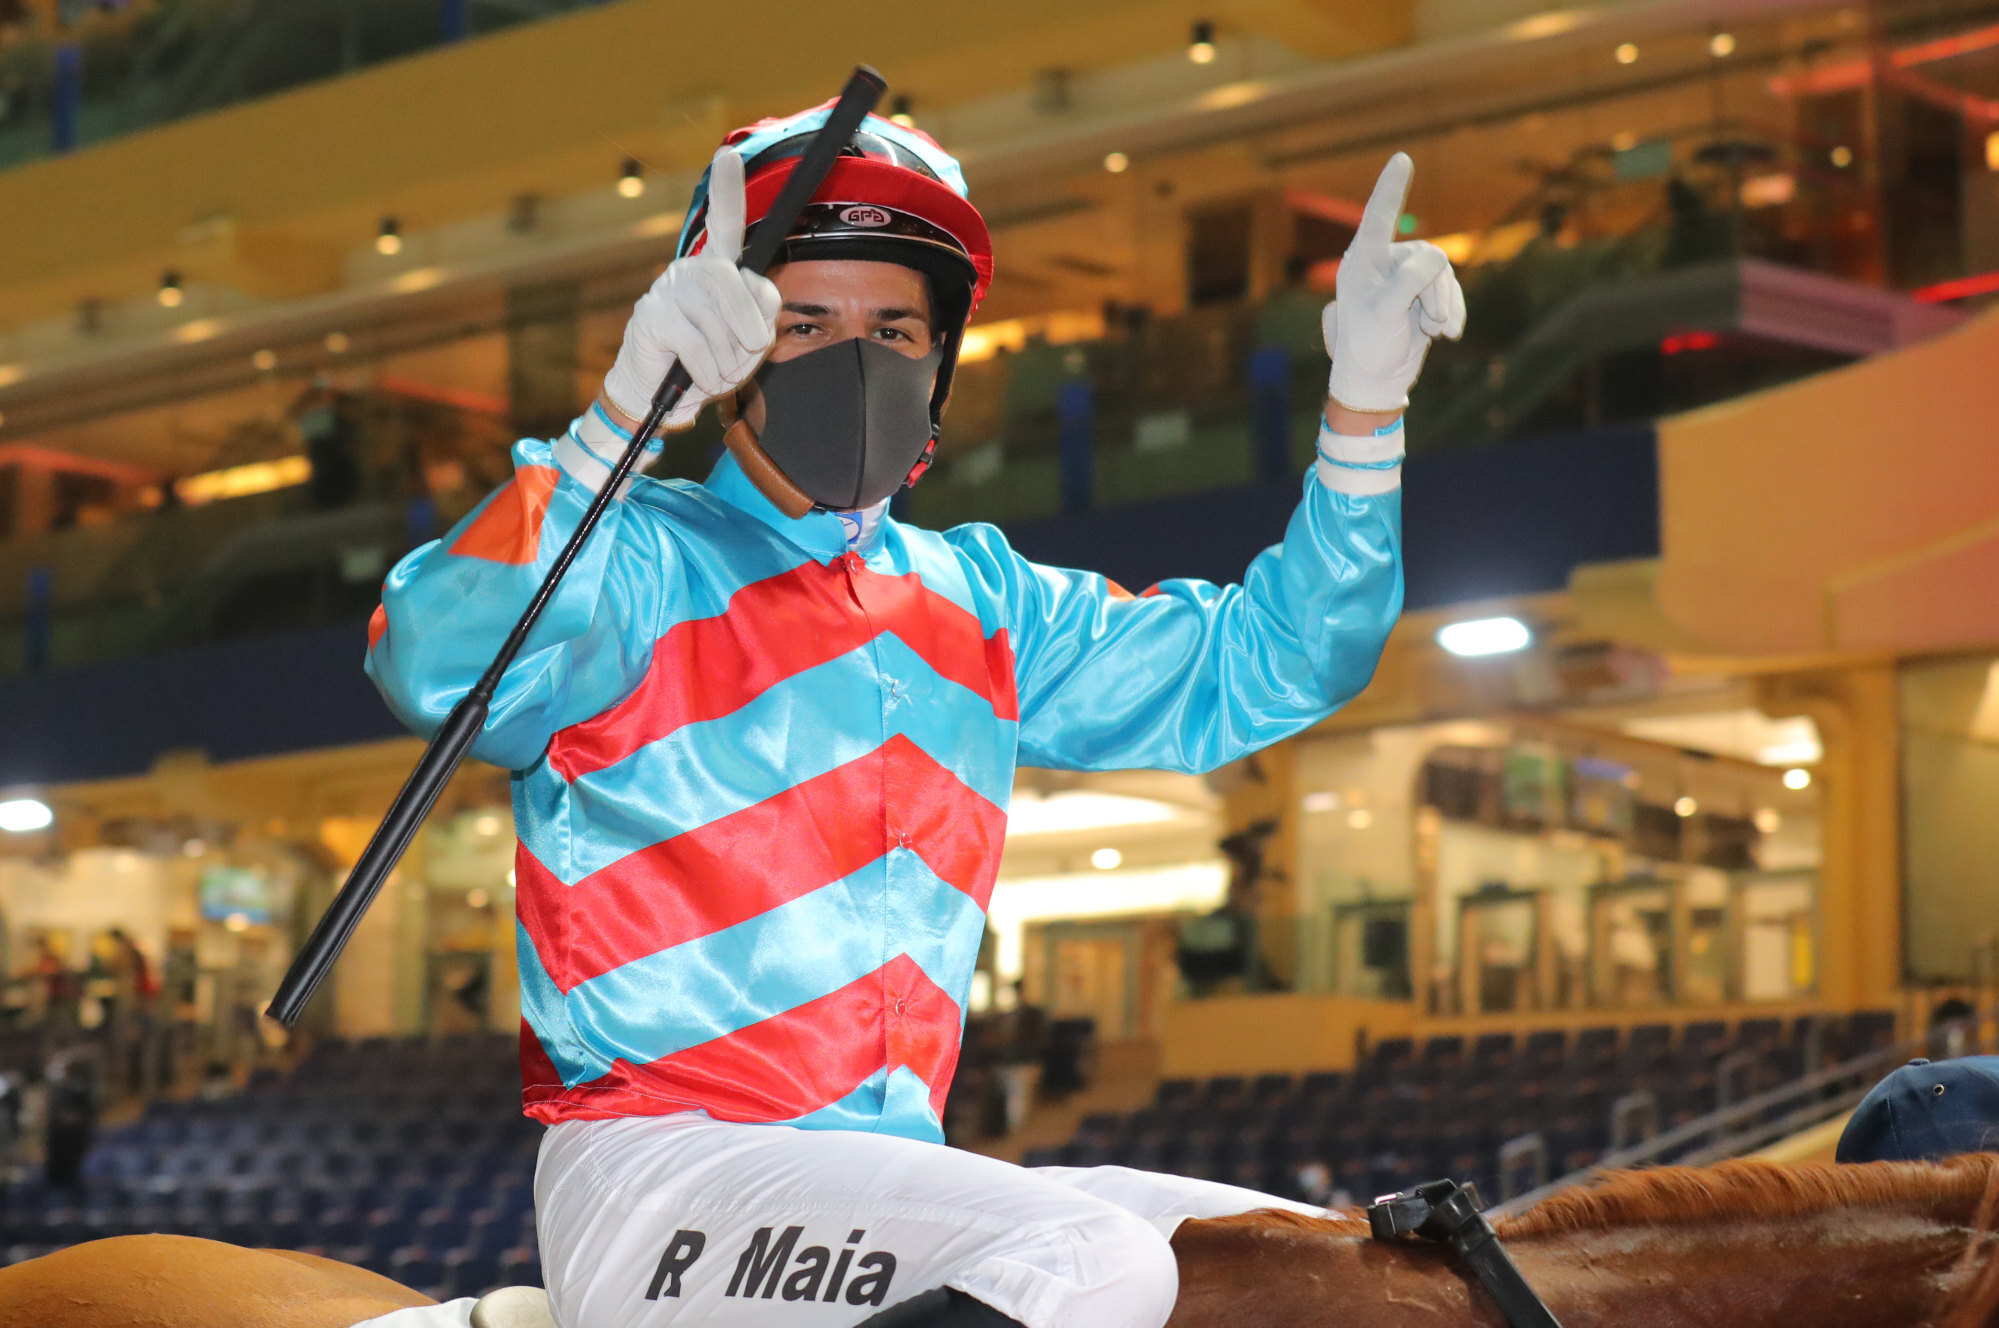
x=861, y=214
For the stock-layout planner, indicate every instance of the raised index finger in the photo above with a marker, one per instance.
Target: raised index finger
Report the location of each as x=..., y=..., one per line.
x=725, y=206
x=1384, y=205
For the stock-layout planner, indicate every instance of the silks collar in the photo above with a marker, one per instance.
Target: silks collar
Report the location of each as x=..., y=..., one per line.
x=821, y=534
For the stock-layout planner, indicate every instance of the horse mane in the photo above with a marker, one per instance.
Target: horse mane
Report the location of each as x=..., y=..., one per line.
x=1750, y=1189
x=1747, y=1189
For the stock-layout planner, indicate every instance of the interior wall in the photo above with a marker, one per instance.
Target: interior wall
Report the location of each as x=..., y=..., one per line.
x=1950, y=763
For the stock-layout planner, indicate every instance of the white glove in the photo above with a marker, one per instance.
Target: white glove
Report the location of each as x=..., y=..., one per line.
x=704, y=311
x=1390, y=299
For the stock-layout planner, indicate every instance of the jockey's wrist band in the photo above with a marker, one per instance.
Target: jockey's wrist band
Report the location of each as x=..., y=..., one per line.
x=592, y=447
x=1360, y=466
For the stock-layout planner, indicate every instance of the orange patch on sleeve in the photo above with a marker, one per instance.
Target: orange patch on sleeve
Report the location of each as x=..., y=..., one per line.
x=509, y=530
x=1150, y=591
x=378, y=626
x=1117, y=591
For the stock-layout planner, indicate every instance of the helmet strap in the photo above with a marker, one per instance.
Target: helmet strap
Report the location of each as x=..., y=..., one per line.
x=771, y=482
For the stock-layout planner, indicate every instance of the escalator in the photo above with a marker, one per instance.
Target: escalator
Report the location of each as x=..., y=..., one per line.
x=1641, y=346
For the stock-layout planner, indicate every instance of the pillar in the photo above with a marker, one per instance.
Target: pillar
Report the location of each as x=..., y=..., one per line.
x=1859, y=783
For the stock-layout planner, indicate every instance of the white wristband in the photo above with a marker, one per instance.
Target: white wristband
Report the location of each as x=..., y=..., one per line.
x=590, y=450
x=1362, y=466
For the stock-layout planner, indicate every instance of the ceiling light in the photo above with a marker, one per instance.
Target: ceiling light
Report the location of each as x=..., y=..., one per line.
x=1685, y=806
x=1360, y=818
x=1768, y=821
x=1797, y=778
x=1627, y=53
x=1321, y=802
x=1788, y=754
x=170, y=293
x=477, y=897
x=236, y=922
x=486, y=823
x=20, y=815
x=337, y=342
x=1116, y=163
x=389, y=237
x=1201, y=43
x=1106, y=859
x=901, y=111
x=1081, y=809
x=1485, y=636
x=631, y=179
x=1842, y=156
x=264, y=360
x=1721, y=45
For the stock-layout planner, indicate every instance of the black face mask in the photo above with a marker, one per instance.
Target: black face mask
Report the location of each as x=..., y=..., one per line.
x=847, y=422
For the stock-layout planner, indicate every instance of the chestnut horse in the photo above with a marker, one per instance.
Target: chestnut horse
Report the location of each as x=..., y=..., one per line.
x=1905, y=1244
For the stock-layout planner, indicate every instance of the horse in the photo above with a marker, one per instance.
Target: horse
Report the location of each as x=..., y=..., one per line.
x=1738, y=1244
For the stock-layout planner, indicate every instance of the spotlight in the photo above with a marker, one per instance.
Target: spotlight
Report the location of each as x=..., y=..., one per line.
x=389, y=237
x=1117, y=163
x=1797, y=777
x=21, y=815
x=1721, y=45
x=170, y=292
x=1106, y=859
x=1485, y=636
x=902, y=111
x=1627, y=53
x=1201, y=43
x=631, y=179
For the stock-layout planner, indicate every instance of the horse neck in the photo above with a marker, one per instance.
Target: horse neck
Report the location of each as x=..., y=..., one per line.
x=1853, y=1269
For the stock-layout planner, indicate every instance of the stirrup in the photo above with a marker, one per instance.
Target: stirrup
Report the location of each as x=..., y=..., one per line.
x=513, y=1307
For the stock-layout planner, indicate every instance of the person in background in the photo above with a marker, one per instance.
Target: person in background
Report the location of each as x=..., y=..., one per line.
x=1313, y=1182
x=10, y=1126
x=1290, y=316
x=61, y=987
x=71, y=1119
x=325, y=422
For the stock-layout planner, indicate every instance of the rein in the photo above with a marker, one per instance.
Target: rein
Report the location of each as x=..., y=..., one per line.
x=1448, y=1213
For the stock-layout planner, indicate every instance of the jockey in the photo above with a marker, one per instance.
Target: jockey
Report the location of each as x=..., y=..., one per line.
x=763, y=741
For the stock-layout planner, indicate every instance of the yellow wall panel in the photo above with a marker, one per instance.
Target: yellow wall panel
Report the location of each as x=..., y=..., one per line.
x=1776, y=504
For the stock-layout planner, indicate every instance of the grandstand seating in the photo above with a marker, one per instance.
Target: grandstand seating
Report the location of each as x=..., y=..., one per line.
x=1408, y=1114
x=409, y=1158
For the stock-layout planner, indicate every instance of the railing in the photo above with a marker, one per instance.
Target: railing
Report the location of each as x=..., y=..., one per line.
x=1737, y=1128
x=1175, y=406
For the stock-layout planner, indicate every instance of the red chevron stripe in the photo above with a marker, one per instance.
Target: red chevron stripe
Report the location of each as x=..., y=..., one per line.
x=774, y=629
x=754, y=860
x=783, y=1067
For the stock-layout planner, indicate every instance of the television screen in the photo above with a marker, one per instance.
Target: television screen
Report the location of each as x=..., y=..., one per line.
x=228, y=891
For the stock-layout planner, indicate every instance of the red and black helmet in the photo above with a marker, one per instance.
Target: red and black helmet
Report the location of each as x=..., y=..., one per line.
x=894, y=196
